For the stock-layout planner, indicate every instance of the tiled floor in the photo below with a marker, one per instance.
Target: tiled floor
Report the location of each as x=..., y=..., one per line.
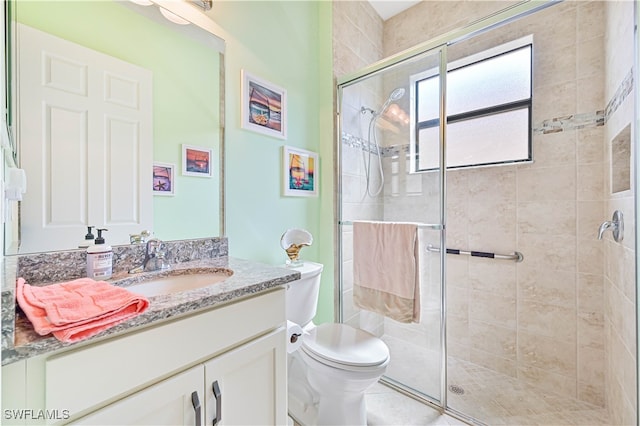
x=492, y=398
x=385, y=406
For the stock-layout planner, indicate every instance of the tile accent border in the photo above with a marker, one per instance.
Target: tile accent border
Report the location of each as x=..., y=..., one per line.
x=552, y=125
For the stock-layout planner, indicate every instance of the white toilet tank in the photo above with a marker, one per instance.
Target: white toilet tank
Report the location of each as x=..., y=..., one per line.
x=302, y=295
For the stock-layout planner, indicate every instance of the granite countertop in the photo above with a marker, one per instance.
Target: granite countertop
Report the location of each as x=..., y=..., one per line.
x=20, y=341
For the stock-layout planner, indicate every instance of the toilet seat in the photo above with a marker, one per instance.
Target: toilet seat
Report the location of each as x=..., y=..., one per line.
x=347, y=348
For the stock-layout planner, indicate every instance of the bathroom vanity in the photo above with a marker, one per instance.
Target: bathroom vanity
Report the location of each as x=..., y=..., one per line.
x=215, y=354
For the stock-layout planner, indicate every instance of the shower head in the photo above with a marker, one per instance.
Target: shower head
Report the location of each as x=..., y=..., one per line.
x=397, y=94
x=394, y=96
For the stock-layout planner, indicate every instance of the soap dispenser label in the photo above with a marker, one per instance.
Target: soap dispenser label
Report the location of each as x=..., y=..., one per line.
x=100, y=265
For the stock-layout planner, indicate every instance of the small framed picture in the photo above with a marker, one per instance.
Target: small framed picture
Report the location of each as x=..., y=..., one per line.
x=264, y=107
x=163, y=179
x=300, y=170
x=196, y=161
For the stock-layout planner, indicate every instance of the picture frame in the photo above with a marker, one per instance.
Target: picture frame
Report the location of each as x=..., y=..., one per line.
x=264, y=106
x=196, y=161
x=300, y=171
x=164, y=179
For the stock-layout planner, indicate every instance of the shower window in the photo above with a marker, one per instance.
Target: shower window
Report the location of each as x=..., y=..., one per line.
x=488, y=109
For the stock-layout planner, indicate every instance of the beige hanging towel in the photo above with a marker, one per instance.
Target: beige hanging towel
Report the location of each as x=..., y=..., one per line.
x=385, y=269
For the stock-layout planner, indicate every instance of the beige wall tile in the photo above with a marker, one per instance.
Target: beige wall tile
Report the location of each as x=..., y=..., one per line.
x=554, y=149
x=493, y=276
x=543, y=252
x=590, y=58
x=555, y=322
x=546, y=184
x=592, y=393
x=591, y=331
x=544, y=353
x=546, y=286
x=590, y=145
x=590, y=216
x=493, y=309
x=553, y=66
x=534, y=217
x=590, y=185
x=502, y=365
x=590, y=257
x=590, y=20
x=493, y=339
x=590, y=293
x=548, y=381
x=557, y=100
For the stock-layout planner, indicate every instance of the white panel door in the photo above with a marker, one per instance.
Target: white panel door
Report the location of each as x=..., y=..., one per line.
x=251, y=381
x=86, y=143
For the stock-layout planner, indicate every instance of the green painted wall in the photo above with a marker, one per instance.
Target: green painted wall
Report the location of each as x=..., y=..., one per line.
x=185, y=91
x=288, y=44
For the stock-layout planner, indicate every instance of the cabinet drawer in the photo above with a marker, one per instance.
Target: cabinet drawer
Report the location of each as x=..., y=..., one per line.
x=81, y=379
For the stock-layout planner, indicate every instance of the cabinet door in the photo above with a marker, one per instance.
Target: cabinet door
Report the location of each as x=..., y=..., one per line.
x=251, y=381
x=170, y=402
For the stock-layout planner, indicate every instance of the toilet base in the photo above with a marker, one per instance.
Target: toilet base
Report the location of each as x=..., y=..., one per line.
x=345, y=409
x=323, y=395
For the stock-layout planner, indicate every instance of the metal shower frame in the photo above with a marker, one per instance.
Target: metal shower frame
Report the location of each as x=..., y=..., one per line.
x=440, y=43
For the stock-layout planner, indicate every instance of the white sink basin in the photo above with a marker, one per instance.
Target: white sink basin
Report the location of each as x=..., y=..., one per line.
x=178, y=281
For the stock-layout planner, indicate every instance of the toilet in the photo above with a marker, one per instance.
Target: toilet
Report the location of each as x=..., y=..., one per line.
x=336, y=363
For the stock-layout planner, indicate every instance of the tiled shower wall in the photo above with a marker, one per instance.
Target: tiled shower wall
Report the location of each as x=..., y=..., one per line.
x=357, y=43
x=563, y=319
x=620, y=258
x=540, y=320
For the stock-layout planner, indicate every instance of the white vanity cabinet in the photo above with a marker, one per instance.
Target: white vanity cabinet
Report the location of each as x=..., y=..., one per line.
x=242, y=387
x=154, y=375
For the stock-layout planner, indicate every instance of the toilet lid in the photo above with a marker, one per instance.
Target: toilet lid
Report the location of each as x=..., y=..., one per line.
x=343, y=344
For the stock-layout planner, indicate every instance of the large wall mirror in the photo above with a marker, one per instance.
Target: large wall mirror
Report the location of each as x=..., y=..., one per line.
x=116, y=116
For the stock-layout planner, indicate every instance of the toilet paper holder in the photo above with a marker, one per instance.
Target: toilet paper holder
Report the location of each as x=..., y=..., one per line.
x=294, y=337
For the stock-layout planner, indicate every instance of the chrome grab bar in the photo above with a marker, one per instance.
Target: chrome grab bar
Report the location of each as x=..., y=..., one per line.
x=516, y=256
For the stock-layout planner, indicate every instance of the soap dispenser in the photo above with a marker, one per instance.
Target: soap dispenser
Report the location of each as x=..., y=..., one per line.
x=88, y=239
x=99, y=258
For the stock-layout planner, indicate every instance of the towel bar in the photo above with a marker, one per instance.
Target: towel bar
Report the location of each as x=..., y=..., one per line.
x=517, y=256
x=433, y=226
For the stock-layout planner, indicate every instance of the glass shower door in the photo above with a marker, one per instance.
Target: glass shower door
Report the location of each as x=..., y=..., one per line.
x=381, y=150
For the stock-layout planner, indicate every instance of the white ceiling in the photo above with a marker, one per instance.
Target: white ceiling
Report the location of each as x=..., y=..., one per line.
x=389, y=8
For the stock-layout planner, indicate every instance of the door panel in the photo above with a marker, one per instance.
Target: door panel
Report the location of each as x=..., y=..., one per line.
x=86, y=142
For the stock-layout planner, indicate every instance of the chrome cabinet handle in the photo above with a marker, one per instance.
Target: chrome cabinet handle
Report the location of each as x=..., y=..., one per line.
x=218, y=396
x=196, y=406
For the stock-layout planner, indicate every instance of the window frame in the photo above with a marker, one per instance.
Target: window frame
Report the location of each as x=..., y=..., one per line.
x=485, y=55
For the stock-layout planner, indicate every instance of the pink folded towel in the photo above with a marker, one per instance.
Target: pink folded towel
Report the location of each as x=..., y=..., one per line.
x=77, y=309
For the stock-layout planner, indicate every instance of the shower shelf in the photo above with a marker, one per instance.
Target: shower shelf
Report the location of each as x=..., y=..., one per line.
x=516, y=256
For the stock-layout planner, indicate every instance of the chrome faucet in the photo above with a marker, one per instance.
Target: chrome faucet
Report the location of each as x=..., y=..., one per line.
x=616, y=225
x=154, y=258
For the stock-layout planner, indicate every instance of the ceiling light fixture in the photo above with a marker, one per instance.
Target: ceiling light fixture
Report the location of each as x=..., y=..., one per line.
x=173, y=17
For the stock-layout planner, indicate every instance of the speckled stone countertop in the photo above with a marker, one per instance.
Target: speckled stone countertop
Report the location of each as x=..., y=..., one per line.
x=20, y=341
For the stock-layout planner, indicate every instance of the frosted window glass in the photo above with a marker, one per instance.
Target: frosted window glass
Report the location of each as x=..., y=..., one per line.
x=500, y=80
x=495, y=81
x=491, y=139
x=429, y=99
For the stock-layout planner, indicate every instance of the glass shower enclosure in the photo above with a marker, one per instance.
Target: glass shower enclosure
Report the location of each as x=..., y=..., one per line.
x=460, y=135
